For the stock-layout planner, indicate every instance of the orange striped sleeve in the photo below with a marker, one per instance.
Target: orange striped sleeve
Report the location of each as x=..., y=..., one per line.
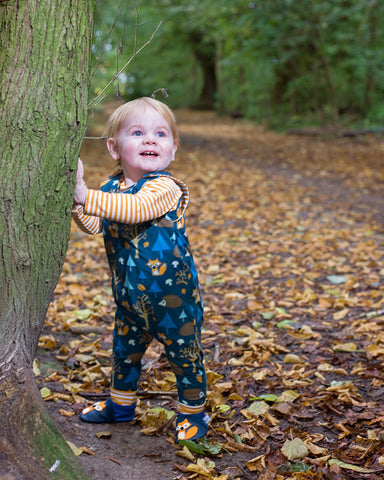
x=86, y=223
x=155, y=199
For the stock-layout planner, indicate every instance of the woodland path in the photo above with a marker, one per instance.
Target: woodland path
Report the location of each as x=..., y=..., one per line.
x=287, y=232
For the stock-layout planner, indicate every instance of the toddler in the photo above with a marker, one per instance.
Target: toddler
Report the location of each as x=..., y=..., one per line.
x=140, y=211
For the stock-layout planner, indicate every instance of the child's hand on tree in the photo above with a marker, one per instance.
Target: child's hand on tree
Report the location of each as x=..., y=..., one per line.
x=81, y=189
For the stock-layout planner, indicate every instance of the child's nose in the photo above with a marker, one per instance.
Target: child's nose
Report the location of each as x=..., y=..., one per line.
x=149, y=138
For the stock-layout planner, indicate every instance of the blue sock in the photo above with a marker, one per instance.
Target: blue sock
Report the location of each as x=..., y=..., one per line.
x=124, y=412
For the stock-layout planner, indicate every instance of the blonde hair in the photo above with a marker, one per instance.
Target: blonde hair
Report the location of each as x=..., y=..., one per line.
x=119, y=116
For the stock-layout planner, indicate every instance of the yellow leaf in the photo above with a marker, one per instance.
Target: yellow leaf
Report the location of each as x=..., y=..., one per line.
x=260, y=374
x=325, y=367
x=349, y=466
x=315, y=449
x=36, y=367
x=258, y=408
x=148, y=431
x=66, y=413
x=372, y=435
x=374, y=350
x=294, y=449
x=326, y=302
x=45, y=392
x=82, y=314
x=271, y=419
x=154, y=418
x=257, y=463
x=235, y=396
x=223, y=408
x=103, y=434
x=235, y=295
x=213, y=377
x=292, y=358
x=341, y=314
x=77, y=451
x=186, y=453
x=84, y=358
x=202, y=467
x=171, y=378
x=254, y=305
x=215, y=398
x=345, y=347
x=87, y=450
x=224, y=386
x=289, y=396
x=235, y=362
x=48, y=342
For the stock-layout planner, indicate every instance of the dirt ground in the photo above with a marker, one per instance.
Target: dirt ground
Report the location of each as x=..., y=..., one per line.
x=256, y=168
x=127, y=453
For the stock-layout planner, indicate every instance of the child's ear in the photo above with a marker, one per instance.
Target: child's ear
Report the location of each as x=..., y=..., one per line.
x=174, y=150
x=112, y=148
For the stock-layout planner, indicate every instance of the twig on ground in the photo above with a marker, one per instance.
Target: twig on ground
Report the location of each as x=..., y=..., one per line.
x=140, y=393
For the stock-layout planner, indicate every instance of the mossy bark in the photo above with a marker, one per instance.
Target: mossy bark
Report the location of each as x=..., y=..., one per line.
x=44, y=70
x=31, y=446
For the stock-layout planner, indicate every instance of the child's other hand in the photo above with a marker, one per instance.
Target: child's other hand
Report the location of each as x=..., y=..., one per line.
x=81, y=189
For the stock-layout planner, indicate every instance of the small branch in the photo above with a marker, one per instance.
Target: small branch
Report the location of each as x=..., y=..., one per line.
x=136, y=26
x=107, y=39
x=140, y=393
x=95, y=138
x=85, y=329
x=95, y=100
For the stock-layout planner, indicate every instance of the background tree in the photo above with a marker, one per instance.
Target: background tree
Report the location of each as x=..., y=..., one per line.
x=44, y=72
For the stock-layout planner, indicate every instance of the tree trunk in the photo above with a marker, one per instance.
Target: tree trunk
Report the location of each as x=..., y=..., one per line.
x=205, y=53
x=44, y=62
x=373, y=28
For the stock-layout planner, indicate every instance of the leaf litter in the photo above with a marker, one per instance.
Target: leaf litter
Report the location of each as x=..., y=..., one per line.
x=288, y=239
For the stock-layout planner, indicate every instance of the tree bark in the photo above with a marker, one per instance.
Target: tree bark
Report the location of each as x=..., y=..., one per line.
x=44, y=71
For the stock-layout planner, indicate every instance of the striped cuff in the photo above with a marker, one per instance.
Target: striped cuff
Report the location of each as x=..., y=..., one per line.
x=123, y=398
x=190, y=410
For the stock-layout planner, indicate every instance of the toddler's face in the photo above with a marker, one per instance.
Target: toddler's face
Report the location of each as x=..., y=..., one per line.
x=144, y=144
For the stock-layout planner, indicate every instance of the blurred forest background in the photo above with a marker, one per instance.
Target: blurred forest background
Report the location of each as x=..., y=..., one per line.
x=282, y=63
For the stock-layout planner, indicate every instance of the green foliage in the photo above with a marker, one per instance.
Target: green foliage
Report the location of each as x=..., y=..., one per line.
x=268, y=60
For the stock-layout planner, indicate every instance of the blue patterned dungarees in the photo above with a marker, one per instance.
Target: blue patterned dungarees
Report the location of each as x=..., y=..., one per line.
x=156, y=289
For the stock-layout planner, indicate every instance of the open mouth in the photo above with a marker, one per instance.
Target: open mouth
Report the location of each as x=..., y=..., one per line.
x=149, y=154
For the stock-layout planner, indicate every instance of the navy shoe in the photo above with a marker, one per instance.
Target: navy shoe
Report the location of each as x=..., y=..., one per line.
x=191, y=427
x=108, y=412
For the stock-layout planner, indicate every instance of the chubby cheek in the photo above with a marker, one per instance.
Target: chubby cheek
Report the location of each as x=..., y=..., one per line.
x=128, y=149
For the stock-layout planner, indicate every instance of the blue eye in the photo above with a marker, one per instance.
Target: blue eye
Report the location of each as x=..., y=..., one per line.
x=137, y=133
x=161, y=134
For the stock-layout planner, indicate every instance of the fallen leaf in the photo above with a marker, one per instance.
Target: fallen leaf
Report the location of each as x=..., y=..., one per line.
x=36, y=367
x=186, y=453
x=202, y=467
x=345, y=347
x=294, y=449
x=337, y=279
x=349, y=466
x=45, y=392
x=258, y=408
x=66, y=413
x=87, y=450
x=292, y=358
x=106, y=434
x=76, y=451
